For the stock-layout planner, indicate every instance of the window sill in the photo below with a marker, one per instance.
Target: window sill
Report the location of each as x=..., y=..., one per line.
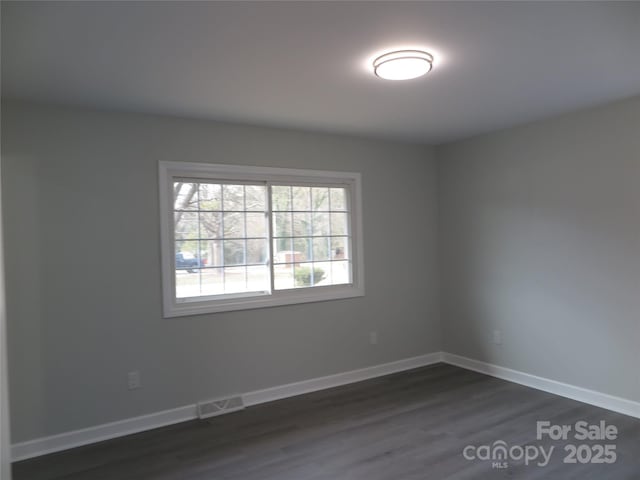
x=281, y=298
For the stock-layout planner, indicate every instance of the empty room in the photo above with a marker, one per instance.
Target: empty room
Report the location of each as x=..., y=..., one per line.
x=320, y=240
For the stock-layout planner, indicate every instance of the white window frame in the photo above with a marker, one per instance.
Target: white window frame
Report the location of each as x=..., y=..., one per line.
x=168, y=171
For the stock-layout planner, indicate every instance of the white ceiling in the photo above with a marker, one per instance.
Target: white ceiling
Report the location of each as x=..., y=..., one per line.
x=303, y=64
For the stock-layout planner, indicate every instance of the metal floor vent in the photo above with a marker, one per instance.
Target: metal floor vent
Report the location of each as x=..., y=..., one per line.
x=211, y=408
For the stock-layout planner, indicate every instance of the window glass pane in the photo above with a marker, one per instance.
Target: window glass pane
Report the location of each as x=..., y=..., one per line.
x=211, y=253
x=255, y=198
x=307, y=275
x=283, y=251
x=187, y=283
x=216, y=264
x=338, y=199
x=210, y=196
x=326, y=269
x=339, y=248
x=280, y=198
x=257, y=251
x=256, y=225
x=211, y=281
x=185, y=196
x=258, y=278
x=319, y=198
x=301, y=198
x=235, y=279
x=320, y=223
x=301, y=224
x=186, y=255
x=283, y=276
x=303, y=249
x=340, y=272
x=186, y=225
x=321, y=248
x=233, y=225
x=339, y=224
x=233, y=197
x=282, y=225
x=234, y=252
x=210, y=225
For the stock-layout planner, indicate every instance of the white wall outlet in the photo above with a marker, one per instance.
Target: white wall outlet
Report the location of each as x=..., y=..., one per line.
x=133, y=380
x=373, y=338
x=497, y=337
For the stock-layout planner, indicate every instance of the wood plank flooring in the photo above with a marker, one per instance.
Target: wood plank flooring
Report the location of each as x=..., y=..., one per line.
x=407, y=426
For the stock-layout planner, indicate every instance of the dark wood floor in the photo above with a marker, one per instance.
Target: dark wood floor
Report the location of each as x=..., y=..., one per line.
x=412, y=425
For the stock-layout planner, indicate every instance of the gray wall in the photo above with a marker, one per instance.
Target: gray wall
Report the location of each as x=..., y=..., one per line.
x=540, y=238
x=80, y=200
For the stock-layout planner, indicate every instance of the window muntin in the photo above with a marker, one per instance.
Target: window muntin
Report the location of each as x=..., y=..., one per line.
x=247, y=237
x=310, y=236
x=221, y=241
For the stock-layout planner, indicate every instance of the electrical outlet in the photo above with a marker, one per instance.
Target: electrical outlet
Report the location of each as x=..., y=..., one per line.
x=373, y=338
x=497, y=337
x=133, y=380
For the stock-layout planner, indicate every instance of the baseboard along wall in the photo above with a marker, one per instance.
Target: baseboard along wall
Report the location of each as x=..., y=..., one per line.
x=86, y=436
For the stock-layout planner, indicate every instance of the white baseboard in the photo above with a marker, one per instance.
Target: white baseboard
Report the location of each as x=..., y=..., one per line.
x=85, y=436
x=330, y=381
x=106, y=431
x=592, y=397
x=77, y=438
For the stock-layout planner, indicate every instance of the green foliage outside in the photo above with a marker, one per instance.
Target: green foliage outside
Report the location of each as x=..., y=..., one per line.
x=303, y=276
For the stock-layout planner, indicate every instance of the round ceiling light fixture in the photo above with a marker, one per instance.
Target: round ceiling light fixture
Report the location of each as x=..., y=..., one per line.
x=403, y=64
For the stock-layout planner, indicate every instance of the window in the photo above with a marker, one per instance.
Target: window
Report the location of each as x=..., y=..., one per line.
x=248, y=237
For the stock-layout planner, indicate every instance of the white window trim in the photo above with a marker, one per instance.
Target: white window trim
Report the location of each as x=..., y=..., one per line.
x=170, y=170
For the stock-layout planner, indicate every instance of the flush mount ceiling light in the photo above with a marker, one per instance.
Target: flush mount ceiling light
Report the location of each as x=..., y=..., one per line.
x=403, y=64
